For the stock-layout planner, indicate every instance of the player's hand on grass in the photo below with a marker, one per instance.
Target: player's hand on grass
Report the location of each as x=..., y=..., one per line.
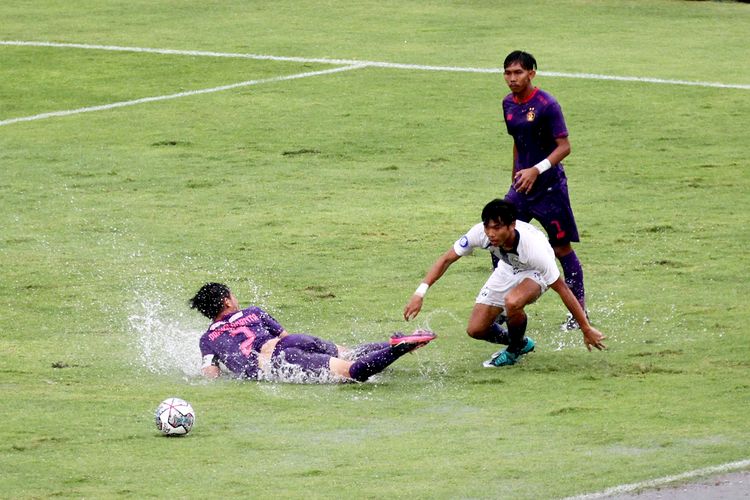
x=524, y=179
x=593, y=338
x=413, y=307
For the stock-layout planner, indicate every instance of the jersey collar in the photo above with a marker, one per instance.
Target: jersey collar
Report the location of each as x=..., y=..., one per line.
x=531, y=96
x=514, y=250
x=227, y=318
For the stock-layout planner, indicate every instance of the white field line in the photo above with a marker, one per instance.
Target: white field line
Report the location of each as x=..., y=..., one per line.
x=376, y=64
x=653, y=483
x=176, y=96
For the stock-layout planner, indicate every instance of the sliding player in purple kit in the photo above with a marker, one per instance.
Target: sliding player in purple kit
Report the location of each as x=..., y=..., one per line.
x=539, y=187
x=252, y=344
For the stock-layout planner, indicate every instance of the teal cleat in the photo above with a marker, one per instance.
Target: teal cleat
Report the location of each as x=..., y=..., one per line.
x=528, y=347
x=505, y=358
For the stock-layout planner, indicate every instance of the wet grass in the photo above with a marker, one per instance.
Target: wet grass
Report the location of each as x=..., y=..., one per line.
x=324, y=200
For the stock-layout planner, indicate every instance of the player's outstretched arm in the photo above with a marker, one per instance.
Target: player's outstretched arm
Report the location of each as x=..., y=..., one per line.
x=591, y=336
x=436, y=271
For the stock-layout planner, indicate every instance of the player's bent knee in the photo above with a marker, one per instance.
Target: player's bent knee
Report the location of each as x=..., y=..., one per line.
x=513, y=306
x=475, y=333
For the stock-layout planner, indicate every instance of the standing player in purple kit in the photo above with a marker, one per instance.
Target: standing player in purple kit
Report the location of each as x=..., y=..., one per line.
x=252, y=344
x=539, y=187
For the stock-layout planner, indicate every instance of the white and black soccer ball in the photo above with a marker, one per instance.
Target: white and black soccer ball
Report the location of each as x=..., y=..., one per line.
x=174, y=417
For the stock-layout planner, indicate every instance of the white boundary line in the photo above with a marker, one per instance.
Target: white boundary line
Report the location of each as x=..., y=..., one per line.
x=176, y=96
x=653, y=483
x=349, y=64
x=376, y=64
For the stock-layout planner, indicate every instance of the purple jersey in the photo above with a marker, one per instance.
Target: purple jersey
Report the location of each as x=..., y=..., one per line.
x=237, y=338
x=535, y=124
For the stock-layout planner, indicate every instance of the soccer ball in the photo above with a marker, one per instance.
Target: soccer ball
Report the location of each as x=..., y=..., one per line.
x=174, y=417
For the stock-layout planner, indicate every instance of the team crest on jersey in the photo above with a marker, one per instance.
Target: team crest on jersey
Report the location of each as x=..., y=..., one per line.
x=463, y=242
x=530, y=115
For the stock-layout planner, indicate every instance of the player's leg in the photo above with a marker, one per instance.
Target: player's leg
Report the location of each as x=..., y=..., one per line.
x=573, y=273
x=314, y=344
x=360, y=350
x=483, y=325
x=525, y=288
x=555, y=214
x=523, y=294
x=488, y=313
x=572, y=270
x=377, y=361
x=523, y=207
x=301, y=355
x=322, y=346
x=312, y=356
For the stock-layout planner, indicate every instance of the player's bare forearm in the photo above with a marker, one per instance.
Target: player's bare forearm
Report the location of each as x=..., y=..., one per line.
x=591, y=336
x=437, y=269
x=570, y=301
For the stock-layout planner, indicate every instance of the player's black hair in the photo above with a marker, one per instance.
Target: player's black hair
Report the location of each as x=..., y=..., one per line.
x=525, y=59
x=499, y=211
x=209, y=300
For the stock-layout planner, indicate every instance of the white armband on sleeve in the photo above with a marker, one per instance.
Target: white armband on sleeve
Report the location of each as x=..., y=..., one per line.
x=210, y=360
x=543, y=165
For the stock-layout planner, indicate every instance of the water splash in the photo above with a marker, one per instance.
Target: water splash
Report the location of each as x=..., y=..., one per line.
x=442, y=313
x=294, y=374
x=165, y=337
x=164, y=331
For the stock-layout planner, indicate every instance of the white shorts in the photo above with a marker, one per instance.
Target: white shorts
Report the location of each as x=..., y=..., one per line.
x=502, y=281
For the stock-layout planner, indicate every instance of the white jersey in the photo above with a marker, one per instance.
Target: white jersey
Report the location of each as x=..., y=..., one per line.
x=532, y=252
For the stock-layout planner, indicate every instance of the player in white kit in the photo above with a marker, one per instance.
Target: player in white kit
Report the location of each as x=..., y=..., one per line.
x=525, y=270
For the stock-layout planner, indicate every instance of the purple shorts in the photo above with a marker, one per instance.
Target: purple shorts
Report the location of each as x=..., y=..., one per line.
x=553, y=211
x=309, y=353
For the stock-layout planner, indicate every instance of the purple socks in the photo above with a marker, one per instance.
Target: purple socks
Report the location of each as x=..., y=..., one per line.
x=574, y=276
x=364, y=349
x=376, y=361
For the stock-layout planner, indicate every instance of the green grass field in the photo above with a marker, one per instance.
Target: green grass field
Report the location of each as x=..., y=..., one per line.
x=324, y=199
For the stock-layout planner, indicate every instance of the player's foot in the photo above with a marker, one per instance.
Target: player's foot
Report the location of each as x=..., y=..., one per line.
x=570, y=323
x=505, y=358
x=418, y=338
